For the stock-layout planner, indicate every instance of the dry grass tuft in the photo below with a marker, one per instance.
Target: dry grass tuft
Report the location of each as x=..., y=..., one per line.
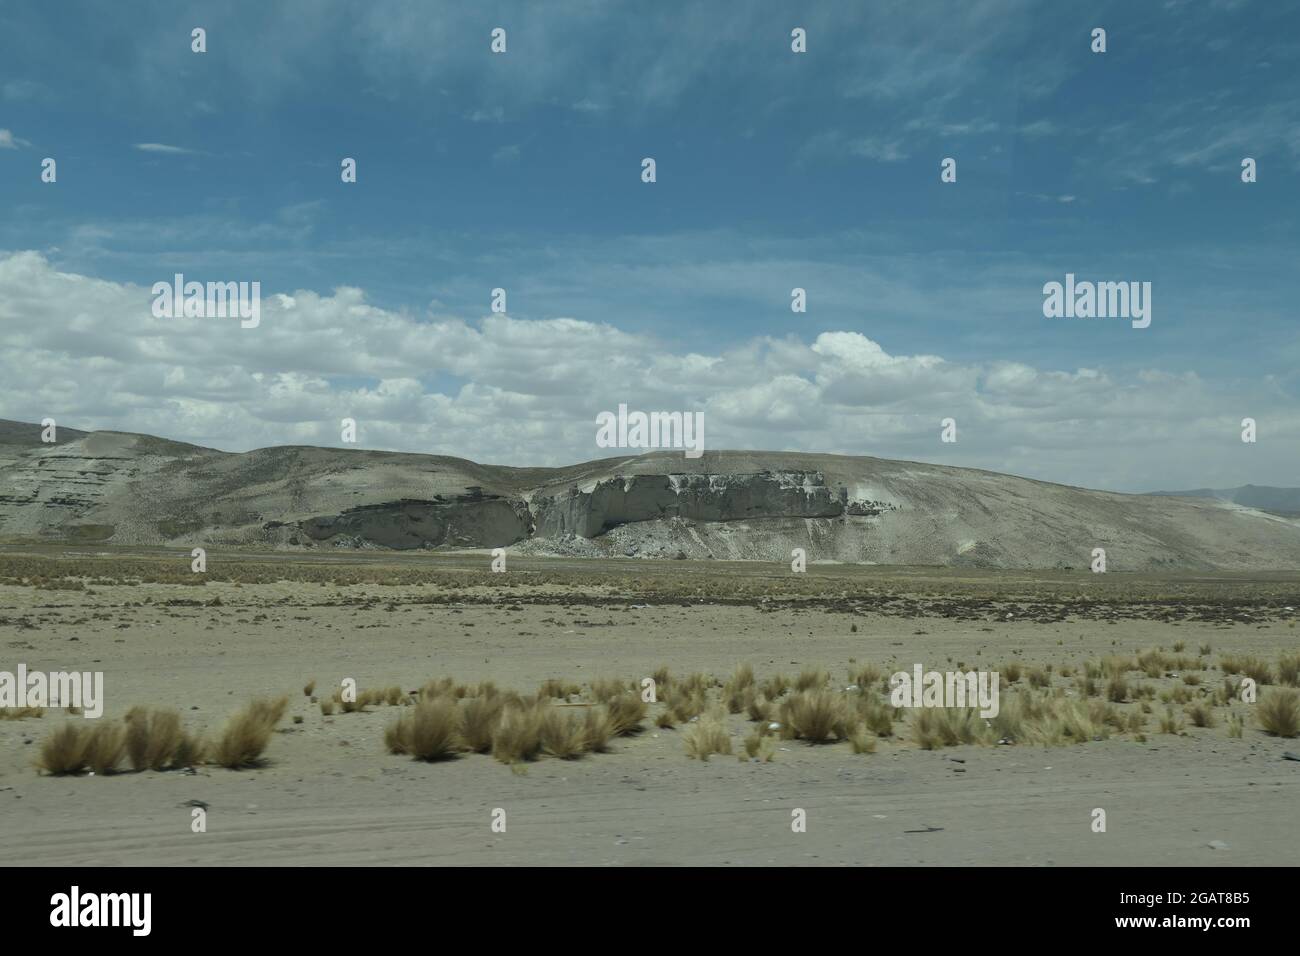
x=563, y=734
x=1279, y=713
x=155, y=740
x=1117, y=690
x=707, y=736
x=866, y=676
x=625, y=712
x=1201, y=714
x=105, y=747
x=1249, y=665
x=1171, y=723
x=309, y=688
x=811, y=678
x=430, y=730
x=64, y=750
x=603, y=689
x=518, y=734
x=816, y=715
x=248, y=732
x=775, y=686
x=934, y=727
x=861, y=741
x=553, y=687
x=479, y=717
x=1288, y=670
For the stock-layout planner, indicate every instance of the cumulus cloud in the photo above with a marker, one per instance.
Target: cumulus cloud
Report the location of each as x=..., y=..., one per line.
x=90, y=353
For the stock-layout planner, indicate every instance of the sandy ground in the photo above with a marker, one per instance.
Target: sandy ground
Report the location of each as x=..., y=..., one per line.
x=329, y=794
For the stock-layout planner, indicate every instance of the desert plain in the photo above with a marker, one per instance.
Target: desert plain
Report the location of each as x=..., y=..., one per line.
x=328, y=791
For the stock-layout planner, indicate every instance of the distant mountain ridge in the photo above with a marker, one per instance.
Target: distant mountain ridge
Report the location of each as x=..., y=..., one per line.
x=1283, y=501
x=120, y=488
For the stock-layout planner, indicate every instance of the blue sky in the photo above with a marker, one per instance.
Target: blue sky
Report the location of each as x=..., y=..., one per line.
x=775, y=170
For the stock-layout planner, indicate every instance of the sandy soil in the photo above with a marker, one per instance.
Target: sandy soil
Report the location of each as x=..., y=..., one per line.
x=329, y=794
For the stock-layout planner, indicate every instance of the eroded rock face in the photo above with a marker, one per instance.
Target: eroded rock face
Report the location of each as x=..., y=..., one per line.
x=473, y=521
x=621, y=501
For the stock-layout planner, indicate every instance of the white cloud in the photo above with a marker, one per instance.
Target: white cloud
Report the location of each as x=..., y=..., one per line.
x=9, y=141
x=89, y=353
x=163, y=148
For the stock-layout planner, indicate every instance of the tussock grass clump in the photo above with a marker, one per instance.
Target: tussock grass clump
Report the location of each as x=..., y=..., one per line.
x=248, y=732
x=1251, y=666
x=685, y=701
x=775, y=686
x=1191, y=679
x=154, y=740
x=866, y=676
x=602, y=689
x=1235, y=726
x=742, y=676
x=1053, y=721
x=1201, y=714
x=1115, y=667
x=811, y=678
x=1152, y=662
x=1117, y=690
x=758, y=746
x=430, y=730
x=1279, y=713
x=564, y=735
x=1288, y=670
x=707, y=736
x=596, y=725
x=665, y=719
x=1171, y=723
x=64, y=750
x=874, y=712
x=863, y=741
x=309, y=688
x=1039, y=677
x=556, y=688
x=106, y=746
x=518, y=735
x=625, y=713
x=740, y=689
x=935, y=727
x=150, y=740
x=327, y=706
x=478, y=722
x=440, y=687
x=758, y=707
x=816, y=715
x=1011, y=671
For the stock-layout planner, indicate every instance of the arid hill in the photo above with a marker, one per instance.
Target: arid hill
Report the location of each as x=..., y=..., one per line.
x=114, y=487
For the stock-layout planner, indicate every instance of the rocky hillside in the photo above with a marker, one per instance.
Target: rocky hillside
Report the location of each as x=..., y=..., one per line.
x=113, y=487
